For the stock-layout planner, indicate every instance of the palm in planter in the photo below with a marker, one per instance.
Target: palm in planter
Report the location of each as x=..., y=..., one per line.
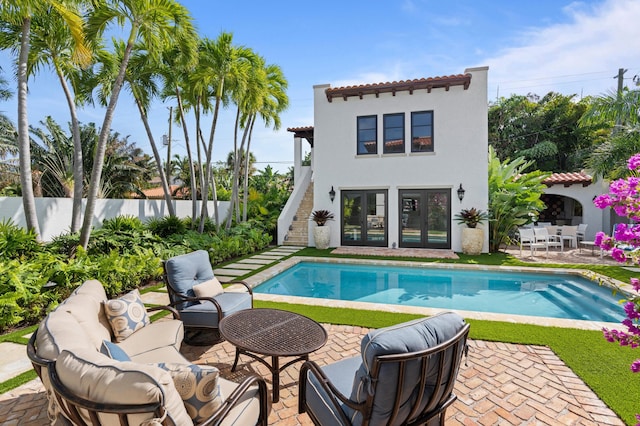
x=472, y=237
x=321, y=233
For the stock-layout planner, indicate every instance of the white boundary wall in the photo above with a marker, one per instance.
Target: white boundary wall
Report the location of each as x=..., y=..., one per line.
x=54, y=214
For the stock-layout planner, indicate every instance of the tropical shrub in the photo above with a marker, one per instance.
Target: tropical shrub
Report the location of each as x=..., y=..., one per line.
x=514, y=197
x=166, y=226
x=123, y=255
x=17, y=242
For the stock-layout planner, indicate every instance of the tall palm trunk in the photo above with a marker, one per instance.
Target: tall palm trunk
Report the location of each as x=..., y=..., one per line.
x=187, y=143
x=235, y=197
x=245, y=197
x=156, y=155
x=98, y=162
x=24, y=148
x=205, y=190
x=214, y=123
x=78, y=172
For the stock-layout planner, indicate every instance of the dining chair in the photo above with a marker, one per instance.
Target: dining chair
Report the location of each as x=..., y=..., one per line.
x=542, y=236
x=569, y=233
x=580, y=233
x=526, y=237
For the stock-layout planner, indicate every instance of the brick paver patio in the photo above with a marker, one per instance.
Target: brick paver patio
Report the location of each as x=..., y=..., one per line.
x=499, y=384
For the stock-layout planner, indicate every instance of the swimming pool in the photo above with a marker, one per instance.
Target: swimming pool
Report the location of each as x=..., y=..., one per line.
x=552, y=295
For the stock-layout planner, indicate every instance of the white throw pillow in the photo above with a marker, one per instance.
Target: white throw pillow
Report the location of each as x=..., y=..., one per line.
x=209, y=288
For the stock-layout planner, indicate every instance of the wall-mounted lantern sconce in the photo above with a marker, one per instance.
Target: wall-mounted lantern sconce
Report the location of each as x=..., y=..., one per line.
x=332, y=194
x=461, y=192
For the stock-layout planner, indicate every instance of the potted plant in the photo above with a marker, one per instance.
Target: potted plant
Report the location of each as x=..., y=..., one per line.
x=472, y=237
x=321, y=233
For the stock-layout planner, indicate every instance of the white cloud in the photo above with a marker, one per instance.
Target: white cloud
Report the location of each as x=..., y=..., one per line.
x=581, y=55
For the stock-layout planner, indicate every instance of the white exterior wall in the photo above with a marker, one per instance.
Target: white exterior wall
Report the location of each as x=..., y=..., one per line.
x=460, y=150
x=54, y=214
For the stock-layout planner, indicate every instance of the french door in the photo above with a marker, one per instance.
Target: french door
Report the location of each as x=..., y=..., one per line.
x=364, y=217
x=425, y=218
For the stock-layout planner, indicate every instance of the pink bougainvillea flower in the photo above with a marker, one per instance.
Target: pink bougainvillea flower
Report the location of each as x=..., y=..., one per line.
x=634, y=162
x=603, y=201
x=635, y=367
x=618, y=254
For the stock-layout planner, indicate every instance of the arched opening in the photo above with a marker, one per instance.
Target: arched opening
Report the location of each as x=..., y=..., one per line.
x=561, y=210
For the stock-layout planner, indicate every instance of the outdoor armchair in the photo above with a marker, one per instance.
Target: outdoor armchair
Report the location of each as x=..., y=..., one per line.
x=199, y=297
x=404, y=376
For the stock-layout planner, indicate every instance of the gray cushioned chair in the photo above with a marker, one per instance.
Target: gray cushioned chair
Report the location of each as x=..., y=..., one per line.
x=404, y=376
x=181, y=273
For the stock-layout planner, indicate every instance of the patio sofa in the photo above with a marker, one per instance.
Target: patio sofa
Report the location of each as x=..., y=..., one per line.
x=85, y=369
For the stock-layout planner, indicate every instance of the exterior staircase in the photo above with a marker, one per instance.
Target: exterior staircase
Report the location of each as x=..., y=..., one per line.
x=298, y=234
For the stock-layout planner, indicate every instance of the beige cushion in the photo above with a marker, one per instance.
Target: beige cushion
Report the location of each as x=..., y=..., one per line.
x=166, y=354
x=155, y=335
x=87, y=310
x=126, y=315
x=247, y=411
x=209, y=288
x=96, y=377
x=94, y=289
x=58, y=331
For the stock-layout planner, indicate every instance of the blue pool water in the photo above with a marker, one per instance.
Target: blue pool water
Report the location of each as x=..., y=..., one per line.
x=543, y=295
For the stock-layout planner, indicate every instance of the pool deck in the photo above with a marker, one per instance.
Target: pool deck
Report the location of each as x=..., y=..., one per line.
x=499, y=383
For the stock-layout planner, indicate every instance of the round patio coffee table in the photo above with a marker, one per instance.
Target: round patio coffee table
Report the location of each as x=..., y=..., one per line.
x=274, y=333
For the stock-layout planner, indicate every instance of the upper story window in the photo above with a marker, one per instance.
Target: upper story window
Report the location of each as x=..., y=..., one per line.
x=422, y=131
x=393, y=133
x=368, y=134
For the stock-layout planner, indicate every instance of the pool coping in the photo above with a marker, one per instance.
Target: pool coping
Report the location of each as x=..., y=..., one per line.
x=274, y=270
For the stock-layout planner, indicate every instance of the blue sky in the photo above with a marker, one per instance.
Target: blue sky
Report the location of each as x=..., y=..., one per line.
x=571, y=47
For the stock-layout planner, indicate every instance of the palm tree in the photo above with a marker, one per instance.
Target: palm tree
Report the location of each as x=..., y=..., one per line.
x=176, y=71
x=150, y=22
x=222, y=69
x=52, y=44
x=19, y=13
x=272, y=102
x=618, y=112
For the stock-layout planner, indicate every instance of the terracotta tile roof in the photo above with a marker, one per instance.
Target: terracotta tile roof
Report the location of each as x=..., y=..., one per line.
x=568, y=179
x=397, y=86
x=305, y=132
x=158, y=193
x=299, y=129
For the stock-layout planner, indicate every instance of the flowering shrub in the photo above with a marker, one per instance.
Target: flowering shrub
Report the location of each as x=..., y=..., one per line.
x=624, y=199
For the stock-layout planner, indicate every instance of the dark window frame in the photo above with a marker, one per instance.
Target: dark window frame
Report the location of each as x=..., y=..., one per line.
x=364, y=147
x=364, y=239
x=387, y=139
x=421, y=147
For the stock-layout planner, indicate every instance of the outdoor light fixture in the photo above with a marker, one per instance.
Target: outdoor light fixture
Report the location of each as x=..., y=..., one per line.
x=461, y=192
x=332, y=194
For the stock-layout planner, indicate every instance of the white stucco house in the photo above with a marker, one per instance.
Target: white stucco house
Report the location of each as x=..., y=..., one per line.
x=394, y=162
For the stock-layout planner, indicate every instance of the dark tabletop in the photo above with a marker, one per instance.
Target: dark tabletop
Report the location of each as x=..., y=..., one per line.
x=273, y=332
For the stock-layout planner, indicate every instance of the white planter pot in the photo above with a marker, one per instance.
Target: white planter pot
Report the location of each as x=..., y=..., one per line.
x=472, y=240
x=322, y=236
